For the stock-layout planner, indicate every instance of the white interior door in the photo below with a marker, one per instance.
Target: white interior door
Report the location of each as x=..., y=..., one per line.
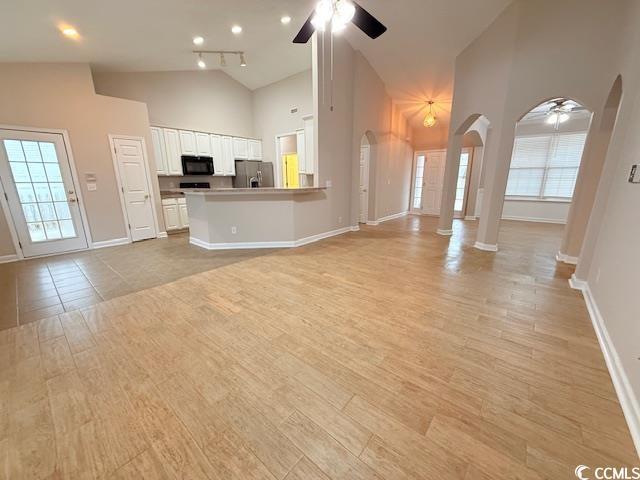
x=433, y=180
x=134, y=182
x=364, y=183
x=40, y=192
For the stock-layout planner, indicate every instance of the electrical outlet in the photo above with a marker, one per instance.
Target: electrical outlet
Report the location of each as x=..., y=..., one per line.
x=234, y=230
x=339, y=220
x=634, y=176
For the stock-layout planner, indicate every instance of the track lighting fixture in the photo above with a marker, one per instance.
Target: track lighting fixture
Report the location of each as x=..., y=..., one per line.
x=221, y=55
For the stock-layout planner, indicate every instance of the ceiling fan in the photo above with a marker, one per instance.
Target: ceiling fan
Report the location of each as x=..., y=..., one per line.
x=555, y=111
x=337, y=14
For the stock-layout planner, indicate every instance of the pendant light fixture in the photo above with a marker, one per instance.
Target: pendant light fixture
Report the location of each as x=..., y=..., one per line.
x=430, y=119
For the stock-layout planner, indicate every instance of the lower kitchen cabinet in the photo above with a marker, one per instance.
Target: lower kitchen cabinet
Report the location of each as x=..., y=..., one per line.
x=175, y=213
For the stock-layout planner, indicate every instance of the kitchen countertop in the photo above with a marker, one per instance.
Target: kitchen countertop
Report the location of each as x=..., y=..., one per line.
x=242, y=191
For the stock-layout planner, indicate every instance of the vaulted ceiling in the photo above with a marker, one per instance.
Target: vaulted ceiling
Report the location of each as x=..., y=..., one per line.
x=415, y=57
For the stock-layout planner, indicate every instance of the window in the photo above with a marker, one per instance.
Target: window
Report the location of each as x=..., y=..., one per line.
x=545, y=166
x=462, y=181
x=417, y=188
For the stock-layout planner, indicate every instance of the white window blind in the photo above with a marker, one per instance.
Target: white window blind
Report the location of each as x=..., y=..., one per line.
x=545, y=166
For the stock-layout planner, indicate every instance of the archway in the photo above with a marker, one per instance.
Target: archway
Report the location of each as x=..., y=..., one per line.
x=365, y=180
x=546, y=158
x=479, y=124
x=594, y=202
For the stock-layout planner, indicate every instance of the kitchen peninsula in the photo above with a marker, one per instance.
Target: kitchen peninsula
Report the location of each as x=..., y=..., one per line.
x=233, y=218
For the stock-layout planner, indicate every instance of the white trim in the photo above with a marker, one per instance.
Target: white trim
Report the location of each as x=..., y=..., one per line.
x=278, y=244
x=393, y=216
x=116, y=168
x=446, y=232
x=626, y=395
x=564, y=258
x=9, y=258
x=66, y=142
x=355, y=228
x=487, y=247
x=111, y=243
x=470, y=217
x=373, y=223
x=534, y=219
x=163, y=235
x=576, y=283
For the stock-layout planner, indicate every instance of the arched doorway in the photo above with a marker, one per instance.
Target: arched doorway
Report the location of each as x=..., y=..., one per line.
x=363, y=186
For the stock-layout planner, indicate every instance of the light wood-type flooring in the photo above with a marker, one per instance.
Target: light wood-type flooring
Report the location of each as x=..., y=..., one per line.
x=389, y=353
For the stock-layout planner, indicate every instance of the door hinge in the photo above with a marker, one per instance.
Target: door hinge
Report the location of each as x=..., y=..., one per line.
x=20, y=244
x=5, y=196
x=122, y=188
x=129, y=226
x=115, y=150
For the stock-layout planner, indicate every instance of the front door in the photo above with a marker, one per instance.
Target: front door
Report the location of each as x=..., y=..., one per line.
x=132, y=170
x=433, y=179
x=364, y=183
x=36, y=177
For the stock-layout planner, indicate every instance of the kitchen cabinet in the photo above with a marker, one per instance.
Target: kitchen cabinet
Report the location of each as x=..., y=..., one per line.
x=300, y=148
x=159, y=152
x=175, y=213
x=188, y=143
x=216, y=153
x=255, y=149
x=309, y=148
x=203, y=144
x=240, y=148
x=172, y=149
x=228, y=156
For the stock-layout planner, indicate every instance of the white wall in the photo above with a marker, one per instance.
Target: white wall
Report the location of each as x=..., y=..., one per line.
x=272, y=107
x=536, y=210
x=62, y=96
x=209, y=101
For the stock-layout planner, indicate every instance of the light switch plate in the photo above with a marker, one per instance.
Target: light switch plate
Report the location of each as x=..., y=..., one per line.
x=92, y=187
x=634, y=176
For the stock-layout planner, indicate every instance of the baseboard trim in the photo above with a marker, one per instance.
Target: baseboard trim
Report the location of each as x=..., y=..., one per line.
x=626, y=396
x=111, y=243
x=278, y=244
x=564, y=258
x=387, y=218
x=444, y=232
x=487, y=247
x=9, y=258
x=163, y=235
x=470, y=217
x=576, y=283
x=535, y=220
x=355, y=228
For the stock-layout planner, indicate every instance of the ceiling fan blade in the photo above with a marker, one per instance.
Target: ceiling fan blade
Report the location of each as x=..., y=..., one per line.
x=367, y=22
x=305, y=32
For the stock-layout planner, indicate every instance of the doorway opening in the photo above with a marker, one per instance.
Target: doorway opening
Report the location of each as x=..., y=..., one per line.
x=41, y=200
x=365, y=160
x=545, y=161
x=294, y=158
x=462, y=183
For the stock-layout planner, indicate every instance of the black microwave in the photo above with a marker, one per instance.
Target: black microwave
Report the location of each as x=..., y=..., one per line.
x=192, y=165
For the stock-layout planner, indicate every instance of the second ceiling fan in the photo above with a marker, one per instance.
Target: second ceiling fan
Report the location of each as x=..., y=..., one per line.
x=336, y=14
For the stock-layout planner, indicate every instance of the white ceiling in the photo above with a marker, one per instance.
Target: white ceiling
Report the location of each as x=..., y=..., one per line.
x=415, y=57
x=155, y=35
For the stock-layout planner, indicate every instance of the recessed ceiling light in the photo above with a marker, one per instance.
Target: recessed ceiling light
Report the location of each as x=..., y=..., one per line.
x=236, y=29
x=285, y=20
x=70, y=32
x=198, y=40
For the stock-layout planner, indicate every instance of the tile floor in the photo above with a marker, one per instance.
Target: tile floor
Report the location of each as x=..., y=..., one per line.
x=39, y=288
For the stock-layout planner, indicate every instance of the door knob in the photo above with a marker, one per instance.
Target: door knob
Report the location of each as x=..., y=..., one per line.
x=146, y=195
x=72, y=200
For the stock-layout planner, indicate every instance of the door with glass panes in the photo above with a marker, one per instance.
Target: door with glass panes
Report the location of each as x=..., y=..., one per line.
x=36, y=178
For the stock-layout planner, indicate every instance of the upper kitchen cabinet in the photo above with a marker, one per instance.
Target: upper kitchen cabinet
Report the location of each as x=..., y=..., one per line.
x=309, y=149
x=188, y=143
x=203, y=144
x=255, y=150
x=240, y=148
x=159, y=152
x=172, y=149
x=228, y=158
x=217, y=154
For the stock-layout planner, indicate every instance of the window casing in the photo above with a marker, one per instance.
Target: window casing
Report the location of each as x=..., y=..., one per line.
x=545, y=166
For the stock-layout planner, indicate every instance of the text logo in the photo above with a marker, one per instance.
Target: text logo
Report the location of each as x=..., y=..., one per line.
x=580, y=472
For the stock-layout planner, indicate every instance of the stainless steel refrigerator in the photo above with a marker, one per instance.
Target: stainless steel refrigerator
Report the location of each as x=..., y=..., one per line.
x=253, y=173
